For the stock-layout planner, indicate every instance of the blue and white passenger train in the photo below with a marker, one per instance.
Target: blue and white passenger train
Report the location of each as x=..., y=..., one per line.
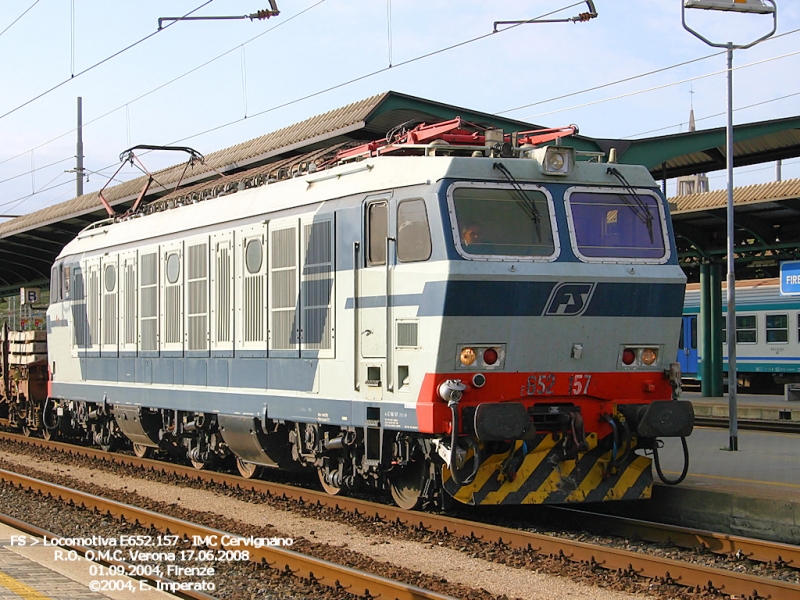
x=454, y=314
x=767, y=334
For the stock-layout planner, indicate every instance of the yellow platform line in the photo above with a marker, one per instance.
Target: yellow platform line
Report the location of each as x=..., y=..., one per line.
x=20, y=589
x=736, y=479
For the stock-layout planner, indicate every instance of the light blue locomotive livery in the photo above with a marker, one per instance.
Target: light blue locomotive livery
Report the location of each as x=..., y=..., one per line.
x=453, y=314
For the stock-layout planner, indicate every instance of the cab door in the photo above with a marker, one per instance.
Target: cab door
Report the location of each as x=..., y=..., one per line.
x=687, y=346
x=372, y=301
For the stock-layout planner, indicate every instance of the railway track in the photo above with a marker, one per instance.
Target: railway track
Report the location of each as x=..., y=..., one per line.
x=153, y=580
x=780, y=426
x=304, y=567
x=656, y=568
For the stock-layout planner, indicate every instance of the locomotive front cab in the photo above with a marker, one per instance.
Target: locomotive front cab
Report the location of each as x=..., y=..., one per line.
x=561, y=309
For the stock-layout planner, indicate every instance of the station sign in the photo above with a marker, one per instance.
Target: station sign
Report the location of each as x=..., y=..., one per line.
x=790, y=278
x=28, y=295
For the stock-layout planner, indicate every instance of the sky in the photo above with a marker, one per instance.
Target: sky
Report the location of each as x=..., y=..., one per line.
x=214, y=84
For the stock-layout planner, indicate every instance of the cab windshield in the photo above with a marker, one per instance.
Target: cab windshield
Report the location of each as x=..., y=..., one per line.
x=616, y=225
x=494, y=220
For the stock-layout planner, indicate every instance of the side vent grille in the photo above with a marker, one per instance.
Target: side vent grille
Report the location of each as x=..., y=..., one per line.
x=407, y=334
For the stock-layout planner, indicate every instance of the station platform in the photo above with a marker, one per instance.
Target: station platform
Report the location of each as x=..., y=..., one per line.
x=750, y=407
x=31, y=572
x=753, y=492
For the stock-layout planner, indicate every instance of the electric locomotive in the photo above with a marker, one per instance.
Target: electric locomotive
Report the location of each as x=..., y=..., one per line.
x=453, y=314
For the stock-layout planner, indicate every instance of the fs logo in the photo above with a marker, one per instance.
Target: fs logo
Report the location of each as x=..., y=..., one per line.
x=569, y=299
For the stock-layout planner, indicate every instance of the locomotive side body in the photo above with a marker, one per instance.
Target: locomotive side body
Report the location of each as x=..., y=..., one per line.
x=440, y=326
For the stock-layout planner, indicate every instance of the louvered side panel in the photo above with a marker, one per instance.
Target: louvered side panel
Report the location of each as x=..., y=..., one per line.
x=407, y=334
x=110, y=320
x=172, y=315
x=317, y=286
x=253, y=308
x=130, y=303
x=223, y=292
x=284, y=327
x=148, y=302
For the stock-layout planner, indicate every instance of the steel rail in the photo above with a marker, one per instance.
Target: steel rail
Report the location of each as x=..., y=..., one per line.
x=35, y=531
x=300, y=565
x=685, y=537
x=661, y=569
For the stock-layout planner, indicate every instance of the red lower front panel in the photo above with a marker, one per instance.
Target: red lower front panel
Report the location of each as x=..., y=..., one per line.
x=595, y=393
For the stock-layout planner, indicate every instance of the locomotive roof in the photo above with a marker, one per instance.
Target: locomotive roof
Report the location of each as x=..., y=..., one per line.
x=364, y=177
x=29, y=244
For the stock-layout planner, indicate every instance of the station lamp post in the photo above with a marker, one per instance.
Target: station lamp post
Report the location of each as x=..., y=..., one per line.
x=762, y=7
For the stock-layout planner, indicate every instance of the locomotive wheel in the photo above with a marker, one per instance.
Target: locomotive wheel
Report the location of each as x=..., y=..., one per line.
x=407, y=484
x=247, y=470
x=142, y=451
x=202, y=465
x=333, y=490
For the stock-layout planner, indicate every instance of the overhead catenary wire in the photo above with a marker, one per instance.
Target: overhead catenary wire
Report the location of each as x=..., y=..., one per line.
x=661, y=87
x=52, y=164
x=326, y=90
x=632, y=77
x=370, y=74
x=14, y=22
x=163, y=85
x=97, y=64
x=365, y=76
x=578, y=92
x=719, y=114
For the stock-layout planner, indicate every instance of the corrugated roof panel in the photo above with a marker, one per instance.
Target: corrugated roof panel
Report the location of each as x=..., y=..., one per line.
x=236, y=155
x=762, y=192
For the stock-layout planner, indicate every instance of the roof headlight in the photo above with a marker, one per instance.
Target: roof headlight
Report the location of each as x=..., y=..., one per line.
x=557, y=160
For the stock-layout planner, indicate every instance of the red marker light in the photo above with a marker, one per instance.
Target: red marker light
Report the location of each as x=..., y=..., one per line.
x=628, y=356
x=490, y=356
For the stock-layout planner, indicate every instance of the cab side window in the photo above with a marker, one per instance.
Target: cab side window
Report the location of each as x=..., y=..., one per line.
x=413, y=232
x=377, y=231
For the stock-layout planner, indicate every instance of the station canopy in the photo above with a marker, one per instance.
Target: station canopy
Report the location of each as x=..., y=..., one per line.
x=29, y=244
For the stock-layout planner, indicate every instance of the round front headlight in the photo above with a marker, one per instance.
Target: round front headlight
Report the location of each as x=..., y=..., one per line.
x=468, y=356
x=649, y=356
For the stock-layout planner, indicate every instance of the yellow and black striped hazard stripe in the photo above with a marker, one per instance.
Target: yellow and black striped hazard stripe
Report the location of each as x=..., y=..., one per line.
x=542, y=475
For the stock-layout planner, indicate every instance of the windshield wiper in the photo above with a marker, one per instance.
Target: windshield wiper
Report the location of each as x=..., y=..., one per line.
x=526, y=202
x=641, y=210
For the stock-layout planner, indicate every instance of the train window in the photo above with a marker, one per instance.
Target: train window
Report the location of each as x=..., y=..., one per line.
x=253, y=256
x=746, y=329
x=377, y=232
x=413, y=233
x=497, y=220
x=110, y=278
x=607, y=225
x=777, y=329
x=65, y=283
x=173, y=267
x=55, y=284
